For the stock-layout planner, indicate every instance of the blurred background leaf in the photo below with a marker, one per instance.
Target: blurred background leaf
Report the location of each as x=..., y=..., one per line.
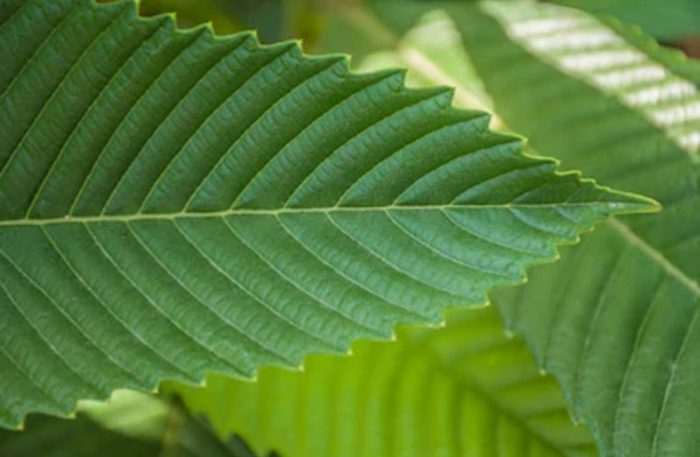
x=131, y=424
x=466, y=389
x=190, y=13
x=667, y=20
x=274, y=20
x=343, y=25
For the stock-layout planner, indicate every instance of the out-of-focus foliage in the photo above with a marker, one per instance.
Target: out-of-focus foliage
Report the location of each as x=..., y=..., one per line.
x=330, y=25
x=273, y=20
x=192, y=13
x=129, y=425
x=463, y=390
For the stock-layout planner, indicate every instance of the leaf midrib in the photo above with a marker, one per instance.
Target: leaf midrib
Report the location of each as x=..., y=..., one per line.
x=655, y=255
x=310, y=210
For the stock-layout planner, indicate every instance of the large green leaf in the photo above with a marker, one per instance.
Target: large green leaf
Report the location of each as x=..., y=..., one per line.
x=617, y=319
x=464, y=390
x=172, y=203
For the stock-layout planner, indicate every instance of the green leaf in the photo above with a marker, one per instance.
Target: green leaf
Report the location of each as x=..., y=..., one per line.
x=190, y=13
x=617, y=319
x=666, y=20
x=82, y=437
x=131, y=424
x=464, y=390
x=173, y=203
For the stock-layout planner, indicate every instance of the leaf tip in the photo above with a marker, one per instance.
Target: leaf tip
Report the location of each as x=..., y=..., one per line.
x=634, y=204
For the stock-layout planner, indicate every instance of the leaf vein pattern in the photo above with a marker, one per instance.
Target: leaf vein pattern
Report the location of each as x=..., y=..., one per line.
x=74, y=324
x=93, y=169
x=296, y=285
x=248, y=292
x=56, y=355
x=162, y=121
x=213, y=310
x=75, y=64
x=339, y=272
x=37, y=195
x=153, y=303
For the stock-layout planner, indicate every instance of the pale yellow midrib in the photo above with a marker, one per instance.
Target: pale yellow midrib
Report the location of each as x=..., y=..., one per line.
x=312, y=210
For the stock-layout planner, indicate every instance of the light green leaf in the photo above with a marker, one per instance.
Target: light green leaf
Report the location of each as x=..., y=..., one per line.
x=464, y=390
x=172, y=203
x=617, y=319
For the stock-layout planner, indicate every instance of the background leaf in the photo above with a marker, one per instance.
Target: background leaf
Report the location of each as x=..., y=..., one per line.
x=130, y=425
x=464, y=390
x=192, y=14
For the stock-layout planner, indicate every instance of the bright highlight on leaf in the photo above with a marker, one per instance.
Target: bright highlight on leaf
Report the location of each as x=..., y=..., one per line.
x=173, y=203
x=586, y=49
